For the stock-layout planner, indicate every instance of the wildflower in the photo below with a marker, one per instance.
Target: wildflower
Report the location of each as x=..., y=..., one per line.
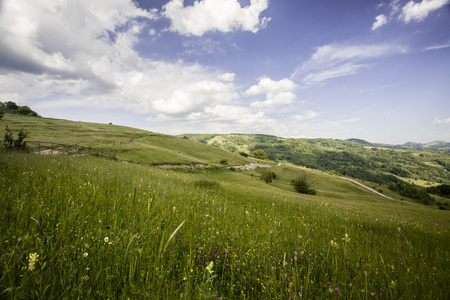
x=85, y=254
x=209, y=267
x=106, y=239
x=334, y=244
x=86, y=278
x=32, y=259
x=346, y=238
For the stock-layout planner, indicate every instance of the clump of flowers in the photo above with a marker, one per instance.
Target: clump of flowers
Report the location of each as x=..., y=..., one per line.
x=209, y=267
x=32, y=259
x=346, y=238
x=334, y=244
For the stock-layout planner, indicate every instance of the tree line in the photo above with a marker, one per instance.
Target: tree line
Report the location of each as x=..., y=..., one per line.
x=13, y=108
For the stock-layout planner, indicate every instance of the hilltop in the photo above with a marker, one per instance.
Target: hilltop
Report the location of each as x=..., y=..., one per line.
x=128, y=144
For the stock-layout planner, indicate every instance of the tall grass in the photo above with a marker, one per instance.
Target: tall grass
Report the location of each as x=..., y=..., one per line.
x=108, y=230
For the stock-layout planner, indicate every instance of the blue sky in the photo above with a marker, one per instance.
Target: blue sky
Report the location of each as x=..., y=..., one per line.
x=375, y=70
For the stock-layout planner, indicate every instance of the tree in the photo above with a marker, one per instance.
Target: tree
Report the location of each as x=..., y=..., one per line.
x=8, y=138
x=1, y=114
x=17, y=144
x=302, y=185
x=11, y=105
x=259, y=154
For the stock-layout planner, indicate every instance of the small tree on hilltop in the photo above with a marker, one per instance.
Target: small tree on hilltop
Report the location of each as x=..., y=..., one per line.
x=259, y=154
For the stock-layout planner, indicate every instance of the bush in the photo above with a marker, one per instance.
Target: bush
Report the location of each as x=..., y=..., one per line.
x=268, y=176
x=224, y=162
x=244, y=154
x=302, y=185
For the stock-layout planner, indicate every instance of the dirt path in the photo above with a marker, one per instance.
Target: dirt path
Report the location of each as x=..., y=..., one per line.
x=366, y=187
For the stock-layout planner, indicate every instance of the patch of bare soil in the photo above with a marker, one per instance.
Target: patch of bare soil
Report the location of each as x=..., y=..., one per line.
x=253, y=166
x=50, y=152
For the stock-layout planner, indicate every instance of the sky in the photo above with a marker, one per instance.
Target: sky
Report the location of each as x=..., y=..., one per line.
x=375, y=70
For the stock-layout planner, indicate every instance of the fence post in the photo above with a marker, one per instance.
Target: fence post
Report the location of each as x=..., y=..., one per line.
x=39, y=147
x=78, y=147
x=51, y=150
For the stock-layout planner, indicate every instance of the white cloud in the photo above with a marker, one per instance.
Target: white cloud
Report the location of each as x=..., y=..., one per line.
x=226, y=77
x=436, y=120
x=337, y=60
x=195, y=97
x=306, y=115
x=215, y=15
x=413, y=11
x=437, y=47
x=85, y=50
x=380, y=20
x=277, y=92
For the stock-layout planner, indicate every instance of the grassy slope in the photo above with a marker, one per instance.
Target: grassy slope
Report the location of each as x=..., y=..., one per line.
x=265, y=241
x=129, y=144
x=63, y=206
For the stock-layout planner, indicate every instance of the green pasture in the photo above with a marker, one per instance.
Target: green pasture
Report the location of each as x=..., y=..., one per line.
x=80, y=227
x=128, y=144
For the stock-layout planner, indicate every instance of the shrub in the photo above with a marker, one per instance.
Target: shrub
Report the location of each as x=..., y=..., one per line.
x=224, y=162
x=244, y=154
x=259, y=154
x=268, y=176
x=17, y=144
x=302, y=185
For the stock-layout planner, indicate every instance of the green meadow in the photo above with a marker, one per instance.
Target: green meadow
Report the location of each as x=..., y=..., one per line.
x=87, y=227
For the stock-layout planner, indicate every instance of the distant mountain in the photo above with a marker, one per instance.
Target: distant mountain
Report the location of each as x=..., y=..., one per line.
x=435, y=146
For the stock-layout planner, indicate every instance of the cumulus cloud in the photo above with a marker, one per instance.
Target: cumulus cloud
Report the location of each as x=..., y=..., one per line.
x=436, y=120
x=277, y=92
x=76, y=53
x=413, y=11
x=40, y=36
x=337, y=60
x=215, y=15
x=380, y=20
x=194, y=97
x=86, y=49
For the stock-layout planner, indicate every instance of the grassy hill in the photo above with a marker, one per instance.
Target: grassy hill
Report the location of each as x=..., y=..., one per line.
x=129, y=144
x=348, y=158
x=94, y=228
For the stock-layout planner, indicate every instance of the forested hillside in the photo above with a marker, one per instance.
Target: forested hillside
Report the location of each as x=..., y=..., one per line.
x=348, y=158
